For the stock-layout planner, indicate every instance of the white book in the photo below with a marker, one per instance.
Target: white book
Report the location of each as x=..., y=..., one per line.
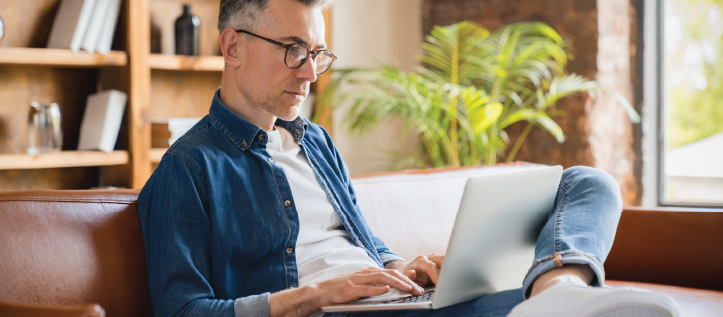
x=179, y=127
x=70, y=24
x=95, y=25
x=106, y=35
x=102, y=120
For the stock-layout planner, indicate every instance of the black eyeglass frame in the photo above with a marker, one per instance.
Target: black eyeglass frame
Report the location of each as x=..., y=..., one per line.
x=312, y=53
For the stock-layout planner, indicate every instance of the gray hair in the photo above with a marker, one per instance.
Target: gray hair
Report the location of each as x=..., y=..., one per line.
x=246, y=14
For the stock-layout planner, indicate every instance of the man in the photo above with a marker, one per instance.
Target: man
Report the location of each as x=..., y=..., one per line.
x=252, y=212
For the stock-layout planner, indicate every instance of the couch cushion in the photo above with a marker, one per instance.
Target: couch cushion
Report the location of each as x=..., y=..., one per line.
x=413, y=212
x=671, y=246
x=692, y=302
x=73, y=248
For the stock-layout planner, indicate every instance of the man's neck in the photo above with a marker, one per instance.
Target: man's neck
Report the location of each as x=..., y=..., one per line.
x=235, y=101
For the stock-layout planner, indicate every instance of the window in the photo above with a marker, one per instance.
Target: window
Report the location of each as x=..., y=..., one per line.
x=691, y=93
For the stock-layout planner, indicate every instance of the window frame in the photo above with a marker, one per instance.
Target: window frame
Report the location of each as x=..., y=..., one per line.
x=654, y=109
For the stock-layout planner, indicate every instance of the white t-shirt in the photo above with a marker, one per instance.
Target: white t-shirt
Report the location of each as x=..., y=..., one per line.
x=323, y=247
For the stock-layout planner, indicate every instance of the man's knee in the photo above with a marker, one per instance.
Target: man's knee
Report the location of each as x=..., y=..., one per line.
x=584, y=179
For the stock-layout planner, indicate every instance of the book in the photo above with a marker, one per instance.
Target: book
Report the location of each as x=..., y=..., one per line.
x=95, y=25
x=71, y=23
x=102, y=120
x=160, y=135
x=105, y=41
x=179, y=127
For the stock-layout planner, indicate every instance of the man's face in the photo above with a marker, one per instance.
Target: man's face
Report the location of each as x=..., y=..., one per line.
x=263, y=77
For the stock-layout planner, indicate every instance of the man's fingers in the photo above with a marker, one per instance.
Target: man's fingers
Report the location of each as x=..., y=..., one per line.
x=405, y=278
x=432, y=271
x=410, y=274
x=424, y=265
x=370, y=290
x=383, y=277
x=437, y=259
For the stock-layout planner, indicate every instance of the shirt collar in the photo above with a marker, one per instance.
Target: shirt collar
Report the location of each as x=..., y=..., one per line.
x=244, y=133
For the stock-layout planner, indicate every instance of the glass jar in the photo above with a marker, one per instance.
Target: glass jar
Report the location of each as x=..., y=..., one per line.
x=44, y=129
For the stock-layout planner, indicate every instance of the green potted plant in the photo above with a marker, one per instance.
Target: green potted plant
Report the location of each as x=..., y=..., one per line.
x=475, y=83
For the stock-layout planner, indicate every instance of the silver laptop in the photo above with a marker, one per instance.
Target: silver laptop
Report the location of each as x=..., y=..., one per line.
x=492, y=244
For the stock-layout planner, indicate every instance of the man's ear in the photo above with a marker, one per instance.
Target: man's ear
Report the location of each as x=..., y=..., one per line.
x=229, y=48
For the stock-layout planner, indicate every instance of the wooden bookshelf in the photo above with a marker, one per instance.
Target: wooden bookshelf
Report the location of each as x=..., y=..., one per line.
x=178, y=62
x=62, y=159
x=59, y=57
x=142, y=64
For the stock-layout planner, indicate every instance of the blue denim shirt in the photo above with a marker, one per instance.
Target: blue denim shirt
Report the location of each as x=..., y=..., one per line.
x=218, y=236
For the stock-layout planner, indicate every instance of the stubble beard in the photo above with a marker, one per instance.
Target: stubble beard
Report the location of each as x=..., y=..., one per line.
x=275, y=105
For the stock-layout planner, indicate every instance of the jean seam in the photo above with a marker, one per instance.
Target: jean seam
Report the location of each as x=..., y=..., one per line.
x=558, y=219
x=534, y=265
x=564, y=253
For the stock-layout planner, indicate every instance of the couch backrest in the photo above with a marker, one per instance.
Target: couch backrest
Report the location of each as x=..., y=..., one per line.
x=72, y=248
x=413, y=212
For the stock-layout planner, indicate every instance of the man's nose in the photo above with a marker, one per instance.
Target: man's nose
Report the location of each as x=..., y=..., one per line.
x=308, y=70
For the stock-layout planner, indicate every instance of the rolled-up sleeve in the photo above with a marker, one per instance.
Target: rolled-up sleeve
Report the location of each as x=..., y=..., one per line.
x=384, y=253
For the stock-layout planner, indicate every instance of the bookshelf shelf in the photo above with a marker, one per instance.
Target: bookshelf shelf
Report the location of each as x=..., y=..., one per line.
x=156, y=155
x=60, y=57
x=179, y=62
x=62, y=159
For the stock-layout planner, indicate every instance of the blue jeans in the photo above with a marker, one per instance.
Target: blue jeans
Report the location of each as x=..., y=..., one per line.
x=580, y=230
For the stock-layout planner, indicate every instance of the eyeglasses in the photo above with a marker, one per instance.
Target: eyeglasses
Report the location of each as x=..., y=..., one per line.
x=298, y=53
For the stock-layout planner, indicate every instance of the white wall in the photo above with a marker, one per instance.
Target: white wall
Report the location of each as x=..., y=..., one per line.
x=366, y=33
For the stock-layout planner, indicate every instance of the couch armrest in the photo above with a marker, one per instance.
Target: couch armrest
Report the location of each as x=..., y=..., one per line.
x=22, y=310
x=672, y=246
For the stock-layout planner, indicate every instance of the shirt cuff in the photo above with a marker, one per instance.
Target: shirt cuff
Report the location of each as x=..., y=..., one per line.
x=389, y=257
x=254, y=305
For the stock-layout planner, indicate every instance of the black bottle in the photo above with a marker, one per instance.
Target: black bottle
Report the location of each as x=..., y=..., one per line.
x=188, y=33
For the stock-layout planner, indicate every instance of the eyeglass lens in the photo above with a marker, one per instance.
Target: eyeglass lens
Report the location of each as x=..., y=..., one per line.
x=298, y=53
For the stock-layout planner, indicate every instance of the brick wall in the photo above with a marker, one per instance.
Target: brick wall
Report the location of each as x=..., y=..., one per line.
x=604, y=38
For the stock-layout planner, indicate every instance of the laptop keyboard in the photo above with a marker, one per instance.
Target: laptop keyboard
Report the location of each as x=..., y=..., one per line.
x=426, y=297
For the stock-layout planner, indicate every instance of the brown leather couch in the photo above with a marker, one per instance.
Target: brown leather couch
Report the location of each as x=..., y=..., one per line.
x=80, y=253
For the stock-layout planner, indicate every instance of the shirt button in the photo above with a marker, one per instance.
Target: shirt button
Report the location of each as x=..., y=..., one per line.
x=289, y=250
x=271, y=160
x=287, y=203
x=261, y=136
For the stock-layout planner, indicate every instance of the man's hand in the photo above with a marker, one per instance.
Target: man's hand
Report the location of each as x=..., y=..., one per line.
x=425, y=267
x=340, y=290
x=365, y=283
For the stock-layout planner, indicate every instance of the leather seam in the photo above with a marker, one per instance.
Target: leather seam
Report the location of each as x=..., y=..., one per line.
x=78, y=200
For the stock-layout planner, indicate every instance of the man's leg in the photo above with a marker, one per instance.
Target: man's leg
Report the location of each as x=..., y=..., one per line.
x=570, y=253
x=579, y=231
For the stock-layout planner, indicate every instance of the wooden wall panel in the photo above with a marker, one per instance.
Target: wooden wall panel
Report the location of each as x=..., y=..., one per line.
x=182, y=93
x=27, y=23
x=54, y=178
